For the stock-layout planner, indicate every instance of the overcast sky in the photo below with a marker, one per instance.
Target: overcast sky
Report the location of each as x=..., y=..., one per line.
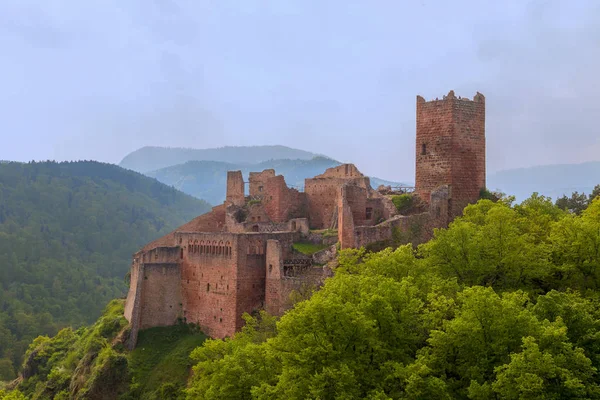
x=96, y=79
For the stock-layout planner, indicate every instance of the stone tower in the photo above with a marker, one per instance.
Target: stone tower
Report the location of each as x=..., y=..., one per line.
x=450, y=149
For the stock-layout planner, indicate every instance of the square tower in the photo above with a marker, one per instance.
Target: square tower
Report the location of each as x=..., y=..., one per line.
x=450, y=149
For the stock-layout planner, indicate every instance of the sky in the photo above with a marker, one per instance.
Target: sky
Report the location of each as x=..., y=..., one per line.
x=97, y=79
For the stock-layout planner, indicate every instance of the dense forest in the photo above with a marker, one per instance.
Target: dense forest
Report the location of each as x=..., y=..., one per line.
x=503, y=304
x=67, y=233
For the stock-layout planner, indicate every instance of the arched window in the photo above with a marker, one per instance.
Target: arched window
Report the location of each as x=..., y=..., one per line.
x=255, y=228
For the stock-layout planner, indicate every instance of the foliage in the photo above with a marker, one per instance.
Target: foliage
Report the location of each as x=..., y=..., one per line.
x=486, y=194
x=92, y=362
x=577, y=202
x=67, y=232
x=403, y=202
x=308, y=248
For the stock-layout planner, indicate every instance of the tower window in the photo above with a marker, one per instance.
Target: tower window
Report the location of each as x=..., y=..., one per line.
x=369, y=213
x=423, y=149
x=260, y=188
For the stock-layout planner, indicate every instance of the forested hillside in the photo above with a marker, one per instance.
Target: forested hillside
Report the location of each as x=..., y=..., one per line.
x=151, y=158
x=503, y=304
x=208, y=179
x=67, y=233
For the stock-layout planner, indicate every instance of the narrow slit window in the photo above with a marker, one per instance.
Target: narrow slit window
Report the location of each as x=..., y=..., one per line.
x=423, y=149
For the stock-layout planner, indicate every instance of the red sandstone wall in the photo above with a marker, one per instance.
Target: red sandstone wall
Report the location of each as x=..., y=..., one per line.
x=346, y=235
x=274, y=272
x=161, y=295
x=322, y=193
x=235, y=188
x=282, y=203
x=450, y=148
x=258, y=180
x=209, y=281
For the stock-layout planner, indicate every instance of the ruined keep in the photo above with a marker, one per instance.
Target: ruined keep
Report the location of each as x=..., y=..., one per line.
x=240, y=256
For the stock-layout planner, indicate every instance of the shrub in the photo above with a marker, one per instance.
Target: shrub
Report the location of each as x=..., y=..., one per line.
x=403, y=202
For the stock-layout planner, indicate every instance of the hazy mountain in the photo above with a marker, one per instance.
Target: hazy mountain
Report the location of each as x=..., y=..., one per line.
x=549, y=180
x=207, y=179
x=67, y=233
x=153, y=158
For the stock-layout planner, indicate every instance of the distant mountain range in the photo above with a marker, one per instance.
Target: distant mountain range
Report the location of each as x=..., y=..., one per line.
x=550, y=180
x=150, y=158
x=202, y=173
x=207, y=180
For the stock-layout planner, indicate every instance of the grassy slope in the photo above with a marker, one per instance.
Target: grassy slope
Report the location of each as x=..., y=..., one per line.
x=162, y=358
x=92, y=362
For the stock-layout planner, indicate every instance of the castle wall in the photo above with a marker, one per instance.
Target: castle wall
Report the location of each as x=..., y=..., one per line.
x=450, y=148
x=208, y=281
x=161, y=294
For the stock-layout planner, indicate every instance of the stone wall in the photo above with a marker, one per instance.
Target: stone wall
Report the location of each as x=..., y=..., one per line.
x=161, y=294
x=282, y=279
x=450, y=148
x=258, y=180
x=282, y=203
x=235, y=188
x=346, y=225
x=208, y=281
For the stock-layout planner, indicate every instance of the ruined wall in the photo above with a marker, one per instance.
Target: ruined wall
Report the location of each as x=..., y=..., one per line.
x=251, y=269
x=274, y=272
x=322, y=193
x=400, y=229
x=258, y=180
x=282, y=203
x=285, y=275
x=356, y=197
x=235, y=188
x=346, y=224
x=450, y=148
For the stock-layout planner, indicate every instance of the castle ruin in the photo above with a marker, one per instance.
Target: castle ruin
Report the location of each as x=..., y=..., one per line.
x=240, y=256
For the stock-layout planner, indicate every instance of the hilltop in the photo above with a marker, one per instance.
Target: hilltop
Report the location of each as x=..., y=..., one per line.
x=67, y=232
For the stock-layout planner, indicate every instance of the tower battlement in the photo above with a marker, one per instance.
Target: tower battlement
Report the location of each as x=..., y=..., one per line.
x=450, y=148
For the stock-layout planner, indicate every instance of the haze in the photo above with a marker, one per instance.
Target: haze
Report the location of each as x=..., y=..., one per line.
x=97, y=79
